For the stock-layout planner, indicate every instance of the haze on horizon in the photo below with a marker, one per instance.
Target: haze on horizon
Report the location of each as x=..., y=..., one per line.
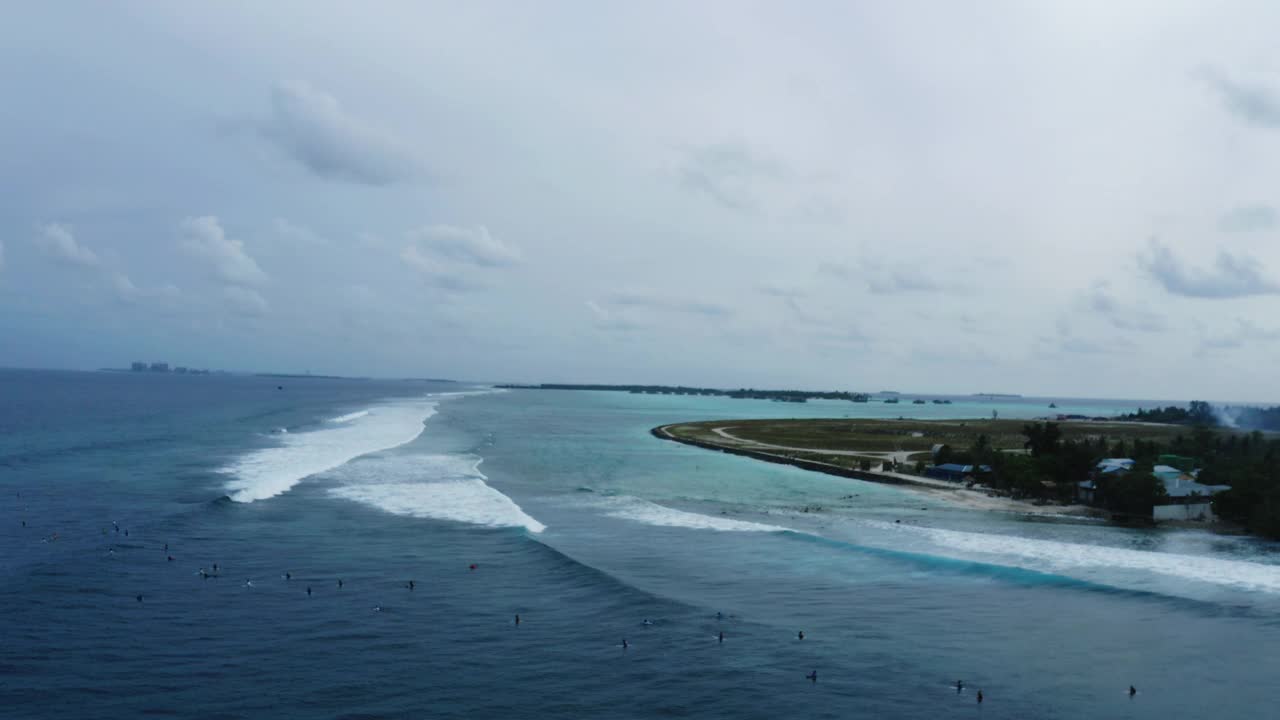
x=1044, y=198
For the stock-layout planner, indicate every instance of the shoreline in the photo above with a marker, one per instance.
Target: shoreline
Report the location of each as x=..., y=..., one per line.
x=971, y=498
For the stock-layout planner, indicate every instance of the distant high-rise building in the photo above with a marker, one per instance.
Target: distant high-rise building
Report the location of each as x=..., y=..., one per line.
x=160, y=367
x=138, y=367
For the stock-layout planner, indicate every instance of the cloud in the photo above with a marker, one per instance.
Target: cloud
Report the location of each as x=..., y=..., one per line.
x=605, y=320
x=1232, y=276
x=204, y=238
x=1242, y=334
x=1253, y=104
x=244, y=301
x=297, y=234
x=727, y=173
x=58, y=241
x=1249, y=218
x=436, y=273
x=887, y=278
x=316, y=131
x=127, y=292
x=664, y=302
x=472, y=245
x=1100, y=300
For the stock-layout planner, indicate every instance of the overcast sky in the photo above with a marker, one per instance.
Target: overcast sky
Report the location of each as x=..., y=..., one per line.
x=1074, y=198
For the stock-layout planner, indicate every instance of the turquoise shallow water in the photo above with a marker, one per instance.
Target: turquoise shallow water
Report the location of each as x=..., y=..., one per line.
x=581, y=522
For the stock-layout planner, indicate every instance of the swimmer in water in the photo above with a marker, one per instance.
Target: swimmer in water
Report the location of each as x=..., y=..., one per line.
x=979, y=696
x=721, y=638
x=215, y=568
x=308, y=592
x=411, y=585
x=248, y=583
x=339, y=583
x=1132, y=691
x=169, y=558
x=377, y=608
x=139, y=598
x=517, y=619
x=800, y=636
x=288, y=575
x=959, y=686
x=812, y=677
x=719, y=615
x=646, y=622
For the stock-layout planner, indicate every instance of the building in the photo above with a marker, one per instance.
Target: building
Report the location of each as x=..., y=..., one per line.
x=160, y=367
x=138, y=367
x=953, y=471
x=1187, y=499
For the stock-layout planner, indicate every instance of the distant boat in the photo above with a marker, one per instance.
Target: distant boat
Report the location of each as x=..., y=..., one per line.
x=917, y=401
x=1053, y=405
x=891, y=401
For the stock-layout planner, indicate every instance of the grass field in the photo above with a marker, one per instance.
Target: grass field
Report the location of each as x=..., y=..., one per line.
x=883, y=436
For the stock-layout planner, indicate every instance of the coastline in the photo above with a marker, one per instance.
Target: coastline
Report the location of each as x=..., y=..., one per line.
x=971, y=498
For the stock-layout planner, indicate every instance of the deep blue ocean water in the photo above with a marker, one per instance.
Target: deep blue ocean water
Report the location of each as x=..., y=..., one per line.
x=582, y=523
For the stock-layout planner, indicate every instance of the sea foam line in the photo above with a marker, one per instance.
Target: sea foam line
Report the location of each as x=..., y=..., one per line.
x=626, y=507
x=1061, y=557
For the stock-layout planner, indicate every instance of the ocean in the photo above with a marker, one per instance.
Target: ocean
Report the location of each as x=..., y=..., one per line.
x=321, y=500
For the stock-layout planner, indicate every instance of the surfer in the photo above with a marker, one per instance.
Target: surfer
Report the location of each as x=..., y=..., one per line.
x=1132, y=691
x=646, y=622
x=812, y=677
x=719, y=615
x=288, y=575
x=139, y=598
x=339, y=583
x=979, y=696
x=215, y=568
x=721, y=638
x=959, y=686
x=801, y=635
x=248, y=583
x=308, y=591
x=517, y=618
x=411, y=585
x=169, y=558
x=624, y=644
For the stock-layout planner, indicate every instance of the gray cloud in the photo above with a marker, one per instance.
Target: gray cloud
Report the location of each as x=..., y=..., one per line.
x=127, y=292
x=1253, y=104
x=316, y=131
x=610, y=321
x=437, y=274
x=203, y=238
x=471, y=245
x=60, y=243
x=663, y=302
x=1232, y=275
x=1249, y=218
x=728, y=174
x=888, y=277
x=1243, y=334
x=1134, y=319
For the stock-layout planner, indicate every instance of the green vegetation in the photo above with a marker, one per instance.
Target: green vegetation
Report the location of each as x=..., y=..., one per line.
x=1034, y=460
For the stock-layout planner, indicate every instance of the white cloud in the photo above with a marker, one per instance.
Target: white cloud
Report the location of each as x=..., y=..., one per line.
x=297, y=234
x=126, y=291
x=1249, y=218
x=316, y=131
x=203, y=237
x=472, y=245
x=244, y=300
x=59, y=242
x=1231, y=276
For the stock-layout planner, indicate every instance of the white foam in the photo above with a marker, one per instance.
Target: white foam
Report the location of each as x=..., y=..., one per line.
x=349, y=416
x=271, y=471
x=1063, y=557
x=650, y=513
x=467, y=501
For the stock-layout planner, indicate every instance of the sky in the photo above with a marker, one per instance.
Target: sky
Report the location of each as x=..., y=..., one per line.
x=1047, y=198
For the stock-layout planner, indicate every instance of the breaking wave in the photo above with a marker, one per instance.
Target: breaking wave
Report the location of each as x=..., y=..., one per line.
x=650, y=513
x=439, y=487
x=268, y=472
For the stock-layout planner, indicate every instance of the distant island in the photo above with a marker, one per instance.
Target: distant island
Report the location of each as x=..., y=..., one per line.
x=797, y=396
